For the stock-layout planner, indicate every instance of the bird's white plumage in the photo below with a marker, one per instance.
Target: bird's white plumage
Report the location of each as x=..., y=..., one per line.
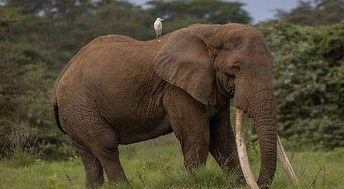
x=158, y=26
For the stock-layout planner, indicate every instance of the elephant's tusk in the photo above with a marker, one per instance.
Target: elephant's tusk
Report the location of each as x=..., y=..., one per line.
x=242, y=152
x=243, y=158
x=283, y=159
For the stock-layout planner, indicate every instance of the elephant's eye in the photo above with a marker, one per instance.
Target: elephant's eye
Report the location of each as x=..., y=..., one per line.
x=231, y=77
x=234, y=70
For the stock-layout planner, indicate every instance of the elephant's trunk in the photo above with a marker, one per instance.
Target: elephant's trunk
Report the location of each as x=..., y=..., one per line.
x=263, y=112
x=261, y=107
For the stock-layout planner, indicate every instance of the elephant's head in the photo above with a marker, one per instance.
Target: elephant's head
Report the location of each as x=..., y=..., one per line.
x=232, y=61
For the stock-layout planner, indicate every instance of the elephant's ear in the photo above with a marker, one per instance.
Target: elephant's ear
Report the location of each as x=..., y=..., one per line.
x=184, y=61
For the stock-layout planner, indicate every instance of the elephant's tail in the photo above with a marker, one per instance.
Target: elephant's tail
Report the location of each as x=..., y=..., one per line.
x=57, y=118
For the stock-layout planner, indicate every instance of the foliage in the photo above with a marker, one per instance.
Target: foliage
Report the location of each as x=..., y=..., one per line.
x=180, y=14
x=25, y=87
x=309, y=82
x=318, y=12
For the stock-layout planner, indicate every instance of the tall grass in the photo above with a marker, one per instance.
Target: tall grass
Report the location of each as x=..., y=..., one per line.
x=158, y=164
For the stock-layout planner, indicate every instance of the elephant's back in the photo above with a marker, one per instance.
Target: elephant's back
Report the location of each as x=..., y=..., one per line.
x=79, y=57
x=116, y=70
x=105, y=40
x=112, y=39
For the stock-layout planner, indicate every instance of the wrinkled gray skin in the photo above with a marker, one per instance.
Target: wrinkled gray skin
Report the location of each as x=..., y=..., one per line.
x=118, y=90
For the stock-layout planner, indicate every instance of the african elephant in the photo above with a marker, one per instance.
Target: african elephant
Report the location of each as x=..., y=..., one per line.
x=118, y=90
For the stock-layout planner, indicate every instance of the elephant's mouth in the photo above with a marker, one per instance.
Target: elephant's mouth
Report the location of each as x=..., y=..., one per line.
x=243, y=158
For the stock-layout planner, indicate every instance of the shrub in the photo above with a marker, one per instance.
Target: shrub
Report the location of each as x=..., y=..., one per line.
x=309, y=83
x=26, y=121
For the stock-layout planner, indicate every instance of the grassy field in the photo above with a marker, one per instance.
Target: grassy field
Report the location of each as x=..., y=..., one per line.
x=158, y=164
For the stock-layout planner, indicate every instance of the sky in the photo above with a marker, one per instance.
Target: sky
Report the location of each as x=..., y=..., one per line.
x=260, y=10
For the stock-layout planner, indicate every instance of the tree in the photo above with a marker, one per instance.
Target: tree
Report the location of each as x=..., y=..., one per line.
x=318, y=12
x=183, y=13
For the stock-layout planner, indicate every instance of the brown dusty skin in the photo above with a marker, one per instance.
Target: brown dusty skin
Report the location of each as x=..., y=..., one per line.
x=118, y=90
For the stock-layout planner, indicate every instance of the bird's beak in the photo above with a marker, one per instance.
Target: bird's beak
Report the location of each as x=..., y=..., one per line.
x=162, y=20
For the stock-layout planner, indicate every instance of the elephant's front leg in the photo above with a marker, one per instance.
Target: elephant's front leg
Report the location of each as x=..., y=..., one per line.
x=190, y=124
x=222, y=143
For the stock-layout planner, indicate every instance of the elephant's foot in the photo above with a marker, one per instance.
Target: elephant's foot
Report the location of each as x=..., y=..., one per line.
x=195, y=152
x=110, y=161
x=108, y=156
x=93, y=169
x=195, y=157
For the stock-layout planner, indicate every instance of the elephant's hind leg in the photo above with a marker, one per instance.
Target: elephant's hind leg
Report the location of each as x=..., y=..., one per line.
x=94, y=137
x=93, y=169
x=106, y=150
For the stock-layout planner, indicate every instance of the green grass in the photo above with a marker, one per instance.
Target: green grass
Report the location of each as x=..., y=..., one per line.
x=158, y=164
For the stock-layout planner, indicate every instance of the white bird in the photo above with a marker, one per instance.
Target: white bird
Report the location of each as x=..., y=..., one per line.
x=158, y=27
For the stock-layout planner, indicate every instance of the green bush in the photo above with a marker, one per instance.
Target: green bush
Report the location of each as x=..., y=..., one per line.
x=26, y=121
x=309, y=83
